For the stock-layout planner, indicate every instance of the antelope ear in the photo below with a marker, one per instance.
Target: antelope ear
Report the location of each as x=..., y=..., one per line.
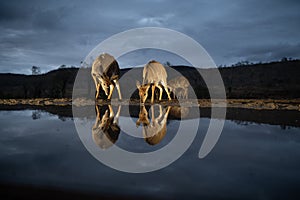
x=138, y=85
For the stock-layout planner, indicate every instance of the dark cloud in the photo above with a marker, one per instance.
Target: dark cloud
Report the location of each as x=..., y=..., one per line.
x=10, y=11
x=51, y=33
x=265, y=53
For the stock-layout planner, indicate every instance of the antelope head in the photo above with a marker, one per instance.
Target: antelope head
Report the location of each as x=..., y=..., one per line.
x=143, y=91
x=143, y=117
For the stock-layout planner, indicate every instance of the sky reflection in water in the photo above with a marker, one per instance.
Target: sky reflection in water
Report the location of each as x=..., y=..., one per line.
x=249, y=161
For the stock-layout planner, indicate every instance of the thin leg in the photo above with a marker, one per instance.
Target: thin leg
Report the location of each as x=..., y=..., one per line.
x=168, y=110
x=118, y=88
x=116, y=120
x=95, y=80
x=98, y=112
x=166, y=89
x=174, y=95
x=152, y=96
x=98, y=90
x=186, y=93
x=111, y=89
x=152, y=113
x=164, y=120
x=160, y=91
x=96, y=85
x=111, y=111
x=179, y=94
x=138, y=122
x=160, y=112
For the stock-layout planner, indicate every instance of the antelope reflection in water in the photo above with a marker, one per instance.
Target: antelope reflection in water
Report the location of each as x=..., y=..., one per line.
x=106, y=130
x=179, y=112
x=154, y=131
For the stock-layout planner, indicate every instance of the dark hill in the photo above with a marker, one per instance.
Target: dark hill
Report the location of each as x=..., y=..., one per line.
x=278, y=80
x=54, y=84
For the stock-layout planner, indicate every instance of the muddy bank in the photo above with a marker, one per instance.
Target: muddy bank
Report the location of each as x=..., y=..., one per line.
x=257, y=104
x=284, y=118
x=37, y=102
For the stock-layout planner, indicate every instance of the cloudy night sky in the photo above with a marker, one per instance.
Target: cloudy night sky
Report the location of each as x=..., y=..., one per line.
x=50, y=33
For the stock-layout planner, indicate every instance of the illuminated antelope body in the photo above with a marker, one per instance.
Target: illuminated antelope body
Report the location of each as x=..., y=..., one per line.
x=179, y=87
x=106, y=130
x=155, y=131
x=154, y=74
x=106, y=73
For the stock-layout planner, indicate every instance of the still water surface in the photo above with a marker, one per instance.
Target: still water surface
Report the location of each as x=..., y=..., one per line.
x=250, y=160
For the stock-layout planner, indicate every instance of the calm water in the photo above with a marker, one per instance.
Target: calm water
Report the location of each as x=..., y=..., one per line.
x=250, y=160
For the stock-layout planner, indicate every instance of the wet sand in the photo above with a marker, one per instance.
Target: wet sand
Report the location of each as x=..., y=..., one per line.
x=257, y=104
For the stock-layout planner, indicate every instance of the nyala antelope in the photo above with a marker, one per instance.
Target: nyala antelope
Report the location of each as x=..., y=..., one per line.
x=179, y=86
x=155, y=75
x=106, y=73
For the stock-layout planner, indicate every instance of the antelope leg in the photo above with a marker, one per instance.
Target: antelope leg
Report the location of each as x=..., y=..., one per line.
x=152, y=114
x=118, y=88
x=96, y=81
x=174, y=93
x=186, y=93
x=168, y=110
x=98, y=90
x=152, y=96
x=98, y=112
x=160, y=112
x=111, y=88
x=166, y=89
x=116, y=119
x=111, y=111
x=160, y=91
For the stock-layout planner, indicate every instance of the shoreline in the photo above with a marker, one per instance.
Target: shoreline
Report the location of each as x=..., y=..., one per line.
x=257, y=104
